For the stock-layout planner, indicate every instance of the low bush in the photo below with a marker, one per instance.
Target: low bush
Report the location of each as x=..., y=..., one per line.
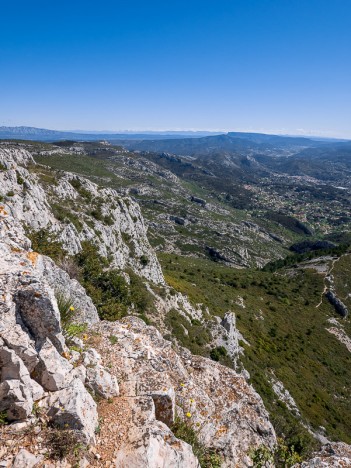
x=184, y=430
x=70, y=328
x=110, y=292
x=281, y=456
x=46, y=243
x=3, y=418
x=65, y=443
x=194, y=337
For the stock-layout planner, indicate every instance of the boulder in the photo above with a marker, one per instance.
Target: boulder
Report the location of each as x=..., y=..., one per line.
x=59, y=280
x=73, y=407
x=18, y=340
x=91, y=357
x=12, y=368
x=15, y=399
x=37, y=307
x=25, y=459
x=150, y=443
x=53, y=370
x=339, y=306
x=101, y=382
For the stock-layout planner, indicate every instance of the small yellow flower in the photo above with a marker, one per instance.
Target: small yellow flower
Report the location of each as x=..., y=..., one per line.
x=85, y=337
x=188, y=415
x=191, y=400
x=182, y=385
x=71, y=308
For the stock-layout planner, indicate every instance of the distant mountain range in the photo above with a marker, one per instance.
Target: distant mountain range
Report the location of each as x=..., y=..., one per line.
x=202, y=139
x=43, y=134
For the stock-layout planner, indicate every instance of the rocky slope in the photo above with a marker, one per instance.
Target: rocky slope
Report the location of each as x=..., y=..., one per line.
x=49, y=378
x=39, y=371
x=75, y=210
x=83, y=392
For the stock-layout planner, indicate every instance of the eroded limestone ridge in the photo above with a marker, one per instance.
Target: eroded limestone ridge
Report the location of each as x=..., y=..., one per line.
x=77, y=210
x=47, y=388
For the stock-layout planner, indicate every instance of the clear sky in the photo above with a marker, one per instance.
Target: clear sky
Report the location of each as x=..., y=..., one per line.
x=276, y=66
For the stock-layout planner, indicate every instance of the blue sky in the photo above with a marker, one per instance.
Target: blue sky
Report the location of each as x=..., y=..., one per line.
x=276, y=66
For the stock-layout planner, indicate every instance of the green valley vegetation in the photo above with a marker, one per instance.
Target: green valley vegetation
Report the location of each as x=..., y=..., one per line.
x=287, y=340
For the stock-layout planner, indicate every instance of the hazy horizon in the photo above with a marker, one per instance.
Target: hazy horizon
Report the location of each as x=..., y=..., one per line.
x=181, y=131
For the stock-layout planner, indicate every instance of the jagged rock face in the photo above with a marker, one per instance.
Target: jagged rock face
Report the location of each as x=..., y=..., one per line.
x=28, y=284
x=150, y=443
x=36, y=366
x=337, y=455
x=223, y=407
x=122, y=237
x=73, y=407
x=225, y=334
x=339, y=306
x=33, y=354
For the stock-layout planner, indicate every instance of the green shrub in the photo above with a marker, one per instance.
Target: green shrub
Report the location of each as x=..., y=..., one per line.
x=217, y=353
x=144, y=260
x=11, y=193
x=3, y=418
x=125, y=237
x=64, y=215
x=197, y=336
x=108, y=220
x=65, y=443
x=96, y=213
x=113, y=339
x=20, y=179
x=46, y=243
x=83, y=192
x=68, y=312
x=208, y=458
x=281, y=456
x=108, y=288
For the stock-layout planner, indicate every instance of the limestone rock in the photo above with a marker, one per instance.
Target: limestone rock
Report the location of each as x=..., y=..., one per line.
x=165, y=404
x=25, y=459
x=73, y=406
x=149, y=443
x=12, y=368
x=91, y=357
x=16, y=339
x=101, y=382
x=60, y=281
x=38, y=309
x=15, y=399
x=339, y=306
x=334, y=454
x=31, y=204
x=53, y=370
x=79, y=372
